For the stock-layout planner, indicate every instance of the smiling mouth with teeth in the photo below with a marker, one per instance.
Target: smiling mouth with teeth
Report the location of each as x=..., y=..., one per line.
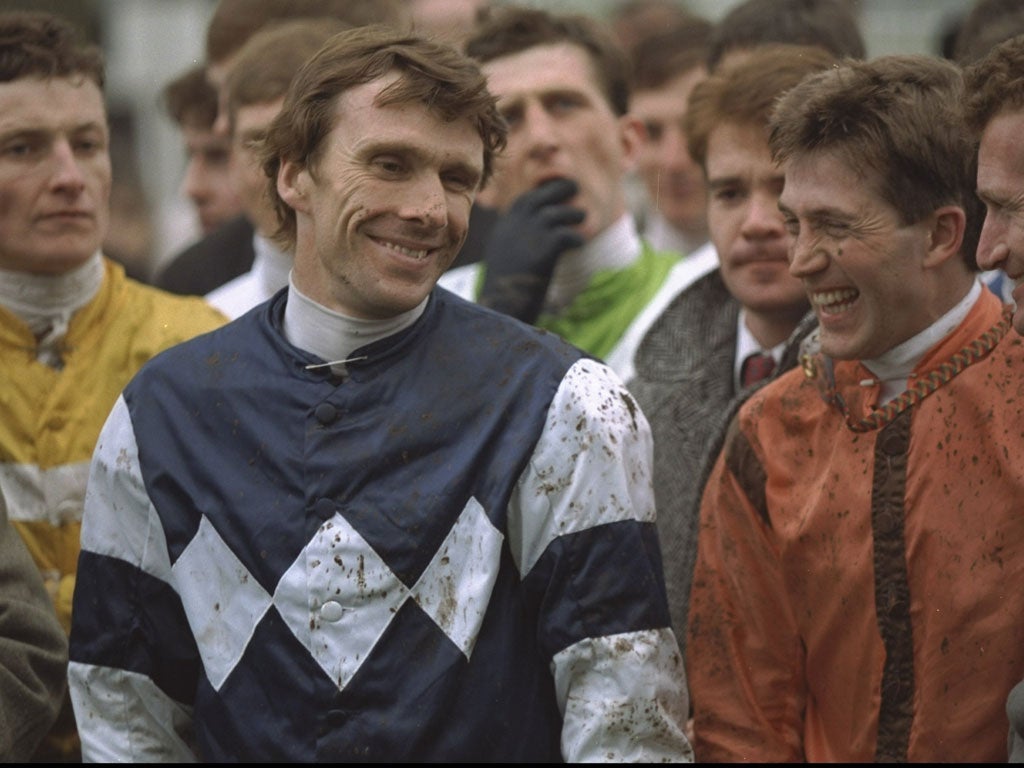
x=415, y=254
x=834, y=302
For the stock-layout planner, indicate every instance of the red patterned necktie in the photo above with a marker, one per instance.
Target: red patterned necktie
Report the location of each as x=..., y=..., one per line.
x=756, y=367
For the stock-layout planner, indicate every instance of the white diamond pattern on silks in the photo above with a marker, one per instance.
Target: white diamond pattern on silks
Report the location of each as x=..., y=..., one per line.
x=339, y=567
x=222, y=600
x=339, y=596
x=455, y=589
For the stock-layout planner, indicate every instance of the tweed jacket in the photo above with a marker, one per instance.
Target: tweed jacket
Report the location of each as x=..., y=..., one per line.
x=684, y=384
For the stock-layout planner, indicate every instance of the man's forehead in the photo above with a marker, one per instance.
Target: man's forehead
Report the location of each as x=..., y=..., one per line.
x=56, y=104
x=826, y=178
x=557, y=66
x=363, y=96
x=259, y=112
x=364, y=125
x=730, y=143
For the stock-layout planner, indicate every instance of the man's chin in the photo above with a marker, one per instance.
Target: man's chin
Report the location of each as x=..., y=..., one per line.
x=52, y=263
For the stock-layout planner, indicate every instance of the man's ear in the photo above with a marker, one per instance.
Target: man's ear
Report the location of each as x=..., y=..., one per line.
x=945, y=235
x=293, y=185
x=633, y=134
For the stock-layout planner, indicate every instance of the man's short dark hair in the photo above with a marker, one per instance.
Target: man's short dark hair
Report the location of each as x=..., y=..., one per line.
x=671, y=52
x=191, y=100
x=995, y=83
x=514, y=29
x=234, y=21
x=986, y=24
x=34, y=44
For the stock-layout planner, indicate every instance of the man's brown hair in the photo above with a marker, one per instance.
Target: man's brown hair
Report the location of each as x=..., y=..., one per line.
x=268, y=61
x=670, y=52
x=898, y=121
x=995, y=83
x=830, y=24
x=44, y=45
x=234, y=21
x=744, y=92
x=513, y=30
x=191, y=100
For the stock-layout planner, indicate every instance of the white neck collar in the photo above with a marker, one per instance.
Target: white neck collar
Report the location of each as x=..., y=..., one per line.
x=893, y=368
x=43, y=301
x=332, y=336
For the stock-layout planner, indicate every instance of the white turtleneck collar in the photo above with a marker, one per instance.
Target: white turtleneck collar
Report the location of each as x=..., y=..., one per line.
x=37, y=299
x=332, y=336
x=46, y=303
x=893, y=368
x=615, y=248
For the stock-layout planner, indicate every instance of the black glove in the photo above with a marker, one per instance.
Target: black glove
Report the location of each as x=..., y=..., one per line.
x=524, y=247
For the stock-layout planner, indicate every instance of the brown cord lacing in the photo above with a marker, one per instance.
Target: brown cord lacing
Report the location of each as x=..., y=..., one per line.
x=977, y=350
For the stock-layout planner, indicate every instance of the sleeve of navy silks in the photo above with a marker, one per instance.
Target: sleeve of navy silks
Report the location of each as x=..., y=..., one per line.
x=132, y=660
x=582, y=532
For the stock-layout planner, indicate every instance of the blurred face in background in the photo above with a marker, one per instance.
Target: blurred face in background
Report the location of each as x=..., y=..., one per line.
x=674, y=182
x=208, y=182
x=560, y=125
x=54, y=174
x=249, y=129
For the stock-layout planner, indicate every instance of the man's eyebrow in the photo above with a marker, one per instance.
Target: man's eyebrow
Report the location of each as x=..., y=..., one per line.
x=724, y=181
x=819, y=212
x=1012, y=201
x=23, y=132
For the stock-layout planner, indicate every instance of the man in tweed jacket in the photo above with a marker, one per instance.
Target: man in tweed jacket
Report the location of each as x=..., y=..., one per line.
x=689, y=364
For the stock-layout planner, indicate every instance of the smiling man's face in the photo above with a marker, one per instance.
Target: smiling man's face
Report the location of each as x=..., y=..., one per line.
x=862, y=267
x=386, y=208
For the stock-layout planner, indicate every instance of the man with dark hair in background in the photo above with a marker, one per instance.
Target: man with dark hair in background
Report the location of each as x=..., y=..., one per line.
x=566, y=254
x=830, y=24
x=191, y=101
x=666, y=67
x=73, y=327
x=227, y=252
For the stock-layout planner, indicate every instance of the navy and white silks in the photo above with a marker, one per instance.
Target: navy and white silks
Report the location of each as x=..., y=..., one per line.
x=448, y=555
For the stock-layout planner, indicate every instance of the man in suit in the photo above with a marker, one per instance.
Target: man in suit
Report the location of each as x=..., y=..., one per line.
x=690, y=365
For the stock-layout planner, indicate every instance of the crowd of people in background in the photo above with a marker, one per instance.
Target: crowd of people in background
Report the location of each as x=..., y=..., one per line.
x=539, y=386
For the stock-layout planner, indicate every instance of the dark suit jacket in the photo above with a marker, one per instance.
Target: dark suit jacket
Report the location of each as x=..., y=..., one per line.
x=222, y=255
